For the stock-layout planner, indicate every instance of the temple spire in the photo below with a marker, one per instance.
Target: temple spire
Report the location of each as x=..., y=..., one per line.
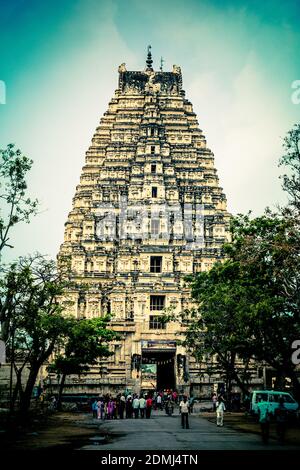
x=161, y=64
x=149, y=60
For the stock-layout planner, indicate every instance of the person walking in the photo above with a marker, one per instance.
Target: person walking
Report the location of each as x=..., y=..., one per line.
x=220, y=408
x=53, y=403
x=95, y=408
x=129, y=408
x=170, y=407
x=99, y=408
x=214, y=402
x=184, y=411
x=191, y=404
x=281, y=420
x=136, y=406
x=110, y=408
x=148, y=407
x=122, y=406
x=142, y=402
x=106, y=408
x=264, y=420
x=159, y=401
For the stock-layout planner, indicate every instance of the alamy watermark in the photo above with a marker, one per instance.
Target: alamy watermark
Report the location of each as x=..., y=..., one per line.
x=137, y=221
x=295, y=97
x=2, y=92
x=296, y=354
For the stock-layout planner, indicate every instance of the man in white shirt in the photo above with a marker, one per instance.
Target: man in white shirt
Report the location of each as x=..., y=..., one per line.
x=136, y=406
x=158, y=401
x=220, y=408
x=142, y=402
x=184, y=410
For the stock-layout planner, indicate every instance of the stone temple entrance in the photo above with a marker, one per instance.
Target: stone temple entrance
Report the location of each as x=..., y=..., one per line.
x=158, y=367
x=163, y=372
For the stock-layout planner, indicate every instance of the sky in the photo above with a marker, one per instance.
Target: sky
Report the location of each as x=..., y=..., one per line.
x=58, y=70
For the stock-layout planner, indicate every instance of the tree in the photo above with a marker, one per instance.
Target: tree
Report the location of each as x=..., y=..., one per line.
x=214, y=328
x=87, y=342
x=36, y=323
x=17, y=206
x=268, y=249
x=249, y=305
x=291, y=160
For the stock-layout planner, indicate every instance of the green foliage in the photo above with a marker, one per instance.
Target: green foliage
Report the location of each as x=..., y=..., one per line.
x=86, y=343
x=249, y=305
x=28, y=296
x=291, y=160
x=32, y=318
x=16, y=205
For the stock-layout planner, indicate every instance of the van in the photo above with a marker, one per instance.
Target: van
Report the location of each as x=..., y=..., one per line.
x=272, y=397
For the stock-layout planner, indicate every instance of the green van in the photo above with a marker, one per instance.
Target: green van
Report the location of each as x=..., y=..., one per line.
x=272, y=397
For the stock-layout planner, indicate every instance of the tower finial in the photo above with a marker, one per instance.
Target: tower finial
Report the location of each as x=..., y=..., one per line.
x=149, y=60
x=161, y=64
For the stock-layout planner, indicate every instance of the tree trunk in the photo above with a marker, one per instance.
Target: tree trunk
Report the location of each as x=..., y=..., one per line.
x=240, y=383
x=17, y=390
x=25, y=396
x=229, y=377
x=232, y=374
x=4, y=334
x=61, y=387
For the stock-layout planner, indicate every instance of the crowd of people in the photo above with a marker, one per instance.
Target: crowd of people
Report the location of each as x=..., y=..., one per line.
x=122, y=406
x=128, y=406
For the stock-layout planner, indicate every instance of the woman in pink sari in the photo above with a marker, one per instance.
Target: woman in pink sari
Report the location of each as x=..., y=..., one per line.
x=110, y=409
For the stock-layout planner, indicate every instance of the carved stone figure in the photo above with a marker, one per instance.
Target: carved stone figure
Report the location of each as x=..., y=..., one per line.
x=176, y=69
x=122, y=68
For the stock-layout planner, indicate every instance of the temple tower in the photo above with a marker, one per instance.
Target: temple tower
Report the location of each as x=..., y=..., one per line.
x=147, y=212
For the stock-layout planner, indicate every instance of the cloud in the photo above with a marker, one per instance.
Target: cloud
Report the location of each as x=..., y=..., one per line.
x=244, y=124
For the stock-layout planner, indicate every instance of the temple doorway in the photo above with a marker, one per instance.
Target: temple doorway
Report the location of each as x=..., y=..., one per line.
x=158, y=370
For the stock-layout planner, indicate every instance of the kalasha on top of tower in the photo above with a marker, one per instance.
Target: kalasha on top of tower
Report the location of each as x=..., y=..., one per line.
x=149, y=80
x=149, y=60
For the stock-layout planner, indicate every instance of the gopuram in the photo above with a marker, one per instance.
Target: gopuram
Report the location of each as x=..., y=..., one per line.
x=148, y=211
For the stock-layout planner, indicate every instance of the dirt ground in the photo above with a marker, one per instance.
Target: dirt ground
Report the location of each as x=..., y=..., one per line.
x=61, y=430
x=245, y=423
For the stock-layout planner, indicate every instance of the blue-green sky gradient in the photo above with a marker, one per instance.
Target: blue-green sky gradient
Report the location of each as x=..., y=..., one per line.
x=59, y=62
